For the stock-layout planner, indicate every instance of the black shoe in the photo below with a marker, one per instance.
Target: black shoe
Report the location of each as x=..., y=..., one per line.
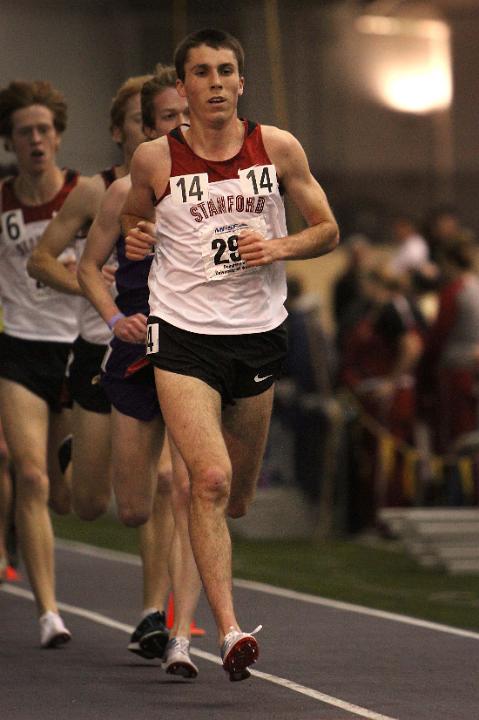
x=65, y=453
x=150, y=637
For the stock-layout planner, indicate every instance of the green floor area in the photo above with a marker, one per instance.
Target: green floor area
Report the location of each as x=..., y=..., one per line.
x=382, y=577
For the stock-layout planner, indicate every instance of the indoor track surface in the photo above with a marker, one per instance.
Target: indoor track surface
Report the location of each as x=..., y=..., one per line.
x=319, y=659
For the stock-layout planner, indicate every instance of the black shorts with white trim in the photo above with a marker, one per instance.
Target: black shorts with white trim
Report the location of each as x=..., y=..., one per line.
x=237, y=366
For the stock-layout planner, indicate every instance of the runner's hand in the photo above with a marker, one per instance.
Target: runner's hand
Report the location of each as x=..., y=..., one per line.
x=140, y=240
x=131, y=329
x=254, y=249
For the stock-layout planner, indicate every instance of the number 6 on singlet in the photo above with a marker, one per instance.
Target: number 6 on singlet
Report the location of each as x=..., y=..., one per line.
x=13, y=227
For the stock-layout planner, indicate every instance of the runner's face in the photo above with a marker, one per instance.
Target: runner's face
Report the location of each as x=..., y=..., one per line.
x=212, y=84
x=170, y=110
x=34, y=139
x=132, y=132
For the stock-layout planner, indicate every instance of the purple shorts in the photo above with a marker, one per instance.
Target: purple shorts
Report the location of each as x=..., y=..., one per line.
x=129, y=381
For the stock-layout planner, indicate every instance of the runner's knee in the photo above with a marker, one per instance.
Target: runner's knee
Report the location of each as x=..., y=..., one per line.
x=31, y=484
x=165, y=476
x=90, y=508
x=238, y=508
x=133, y=515
x=181, y=493
x=212, y=485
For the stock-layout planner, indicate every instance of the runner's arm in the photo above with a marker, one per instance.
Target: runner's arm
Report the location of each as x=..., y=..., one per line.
x=101, y=241
x=148, y=173
x=76, y=213
x=322, y=234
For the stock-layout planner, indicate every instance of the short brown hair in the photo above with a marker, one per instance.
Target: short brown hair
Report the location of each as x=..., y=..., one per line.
x=212, y=38
x=164, y=77
x=130, y=87
x=21, y=94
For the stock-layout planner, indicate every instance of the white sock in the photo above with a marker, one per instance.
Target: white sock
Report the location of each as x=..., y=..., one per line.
x=148, y=611
x=48, y=613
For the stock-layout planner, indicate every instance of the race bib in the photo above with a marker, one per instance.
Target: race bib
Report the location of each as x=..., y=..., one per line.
x=13, y=227
x=258, y=180
x=219, y=249
x=188, y=189
x=152, y=338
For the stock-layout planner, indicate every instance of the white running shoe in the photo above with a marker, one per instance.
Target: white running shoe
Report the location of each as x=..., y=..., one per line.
x=52, y=630
x=177, y=659
x=238, y=652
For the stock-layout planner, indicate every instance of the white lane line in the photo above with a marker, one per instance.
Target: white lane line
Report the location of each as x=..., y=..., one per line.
x=117, y=556
x=73, y=609
x=349, y=607
x=282, y=682
x=98, y=552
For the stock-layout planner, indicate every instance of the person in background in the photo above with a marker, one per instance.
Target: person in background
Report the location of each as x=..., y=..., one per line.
x=308, y=377
x=410, y=250
x=347, y=294
x=378, y=365
x=91, y=426
x=448, y=375
x=40, y=325
x=443, y=224
x=91, y=484
x=128, y=380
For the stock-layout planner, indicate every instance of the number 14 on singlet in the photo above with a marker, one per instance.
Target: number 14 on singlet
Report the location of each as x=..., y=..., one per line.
x=256, y=180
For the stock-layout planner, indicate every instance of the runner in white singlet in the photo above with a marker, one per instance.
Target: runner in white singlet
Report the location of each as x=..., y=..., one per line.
x=217, y=287
x=39, y=326
x=100, y=451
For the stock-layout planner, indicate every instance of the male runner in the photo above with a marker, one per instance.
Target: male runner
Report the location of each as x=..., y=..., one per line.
x=129, y=382
x=91, y=426
x=217, y=291
x=39, y=327
x=91, y=484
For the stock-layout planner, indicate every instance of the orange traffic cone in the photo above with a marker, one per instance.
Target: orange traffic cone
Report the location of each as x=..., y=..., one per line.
x=12, y=575
x=170, y=619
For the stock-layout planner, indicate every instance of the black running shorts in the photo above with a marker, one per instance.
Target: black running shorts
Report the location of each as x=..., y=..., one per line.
x=237, y=366
x=37, y=365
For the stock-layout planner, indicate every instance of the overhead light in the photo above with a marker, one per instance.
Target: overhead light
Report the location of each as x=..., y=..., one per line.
x=408, y=26
x=408, y=61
